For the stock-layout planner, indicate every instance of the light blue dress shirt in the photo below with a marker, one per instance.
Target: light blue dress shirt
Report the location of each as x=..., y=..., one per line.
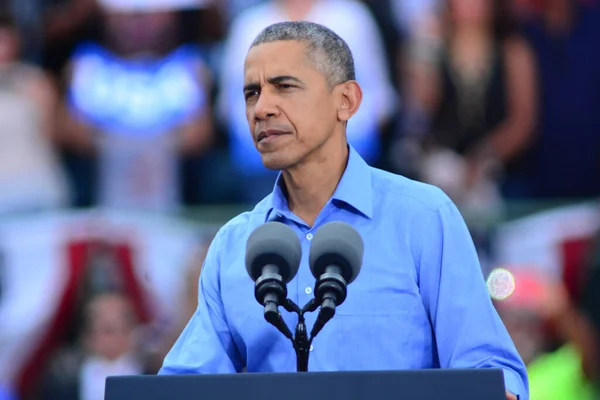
x=420, y=300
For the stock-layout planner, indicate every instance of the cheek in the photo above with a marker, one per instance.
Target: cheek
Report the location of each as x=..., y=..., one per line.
x=312, y=119
x=250, y=118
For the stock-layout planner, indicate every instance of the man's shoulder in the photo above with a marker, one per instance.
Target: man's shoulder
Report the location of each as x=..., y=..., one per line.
x=404, y=192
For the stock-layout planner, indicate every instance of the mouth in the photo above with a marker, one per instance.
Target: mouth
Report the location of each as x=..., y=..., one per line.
x=269, y=134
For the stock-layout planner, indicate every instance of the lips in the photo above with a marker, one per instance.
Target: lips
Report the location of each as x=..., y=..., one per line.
x=269, y=134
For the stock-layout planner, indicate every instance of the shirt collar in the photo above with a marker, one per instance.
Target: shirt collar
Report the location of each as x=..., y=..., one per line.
x=354, y=189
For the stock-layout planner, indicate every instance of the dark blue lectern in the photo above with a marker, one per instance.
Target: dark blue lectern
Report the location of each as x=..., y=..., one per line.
x=447, y=384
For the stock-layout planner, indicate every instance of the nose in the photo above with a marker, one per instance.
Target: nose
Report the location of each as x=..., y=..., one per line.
x=266, y=106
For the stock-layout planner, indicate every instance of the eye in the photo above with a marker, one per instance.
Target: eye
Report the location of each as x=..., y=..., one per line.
x=285, y=86
x=250, y=94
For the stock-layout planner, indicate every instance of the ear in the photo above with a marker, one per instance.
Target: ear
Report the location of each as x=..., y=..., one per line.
x=350, y=99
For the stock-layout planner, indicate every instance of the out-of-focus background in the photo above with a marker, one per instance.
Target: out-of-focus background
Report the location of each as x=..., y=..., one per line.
x=124, y=147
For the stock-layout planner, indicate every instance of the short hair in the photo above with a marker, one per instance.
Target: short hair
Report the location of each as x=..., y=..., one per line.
x=329, y=52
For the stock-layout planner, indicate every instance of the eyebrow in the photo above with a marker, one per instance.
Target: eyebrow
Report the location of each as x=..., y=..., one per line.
x=276, y=80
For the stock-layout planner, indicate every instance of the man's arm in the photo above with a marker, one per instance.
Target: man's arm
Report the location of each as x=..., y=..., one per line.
x=469, y=333
x=205, y=345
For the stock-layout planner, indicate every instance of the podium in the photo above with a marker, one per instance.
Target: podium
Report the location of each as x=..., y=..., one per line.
x=447, y=384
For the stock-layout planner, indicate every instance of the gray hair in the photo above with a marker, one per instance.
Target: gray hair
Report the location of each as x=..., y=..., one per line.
x=329, y=52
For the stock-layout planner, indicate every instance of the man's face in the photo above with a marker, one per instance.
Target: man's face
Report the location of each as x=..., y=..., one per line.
x=290, y=108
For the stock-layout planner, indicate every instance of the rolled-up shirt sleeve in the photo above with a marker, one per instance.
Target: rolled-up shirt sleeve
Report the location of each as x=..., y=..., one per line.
x=205, y=346
x=469, y=332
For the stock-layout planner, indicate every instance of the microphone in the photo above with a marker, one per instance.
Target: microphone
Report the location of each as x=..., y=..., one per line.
x=336, y=255
x=273, y=254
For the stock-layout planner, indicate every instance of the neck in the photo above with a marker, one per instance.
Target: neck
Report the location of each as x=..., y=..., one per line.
x=311, y=184
x=470, y=47
x=477, y=36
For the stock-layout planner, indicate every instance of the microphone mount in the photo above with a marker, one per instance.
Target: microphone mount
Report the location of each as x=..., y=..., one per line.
x=270, y=291
x=330, y=291
x=301, y=341
x=273, y=254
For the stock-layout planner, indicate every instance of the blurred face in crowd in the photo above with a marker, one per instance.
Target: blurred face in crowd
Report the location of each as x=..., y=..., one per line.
x=110, y=332
x=9, y=44
x=471, y=12
x=143, y=31
x=291, y=110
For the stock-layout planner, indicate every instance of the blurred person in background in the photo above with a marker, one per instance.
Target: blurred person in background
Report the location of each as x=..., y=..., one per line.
x=584, y=326
x=540, y=309
x=564, y=373
x=63, y=24
x=50, y=28
x=28, y=17
x=31, y=177
x=536, y=304
x=188, y=300
x=394, y=37
x=354, y=23
x=109, y=347
x=524, y=310
x=417, y=23
x=190, y=294
x=413, y=17
x=564, y=160
x=138, y=101
x=572, y=371
x=476, y=85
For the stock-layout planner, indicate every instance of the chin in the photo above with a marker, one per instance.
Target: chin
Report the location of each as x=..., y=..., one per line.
x=276, y=162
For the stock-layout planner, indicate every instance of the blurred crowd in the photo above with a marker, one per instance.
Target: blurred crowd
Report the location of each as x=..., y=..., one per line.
x=137, y=105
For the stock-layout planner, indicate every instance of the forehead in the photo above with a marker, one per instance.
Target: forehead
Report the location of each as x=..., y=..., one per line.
x=278, y=58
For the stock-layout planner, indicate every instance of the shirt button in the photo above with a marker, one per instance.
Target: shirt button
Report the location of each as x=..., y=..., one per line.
x=311, y=348
x=308, y=290
x=309, y=236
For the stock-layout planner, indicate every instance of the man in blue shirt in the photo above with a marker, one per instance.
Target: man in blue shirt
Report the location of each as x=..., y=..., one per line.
x=420, y=300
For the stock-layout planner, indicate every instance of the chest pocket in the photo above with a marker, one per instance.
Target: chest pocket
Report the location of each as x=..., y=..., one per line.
x=371, y=304
x=373, y=336
x=379, y=324
x=386, y=288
